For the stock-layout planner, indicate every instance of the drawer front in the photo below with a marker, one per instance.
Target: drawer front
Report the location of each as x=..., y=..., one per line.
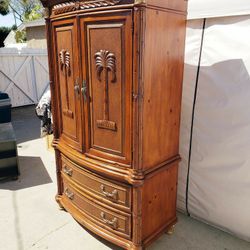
x=115, y=222
x=114, y=194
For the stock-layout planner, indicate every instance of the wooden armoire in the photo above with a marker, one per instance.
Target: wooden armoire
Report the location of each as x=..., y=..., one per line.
x=116, y=69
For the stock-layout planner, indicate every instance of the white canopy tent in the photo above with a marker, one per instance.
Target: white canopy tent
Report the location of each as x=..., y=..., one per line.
x=214, y=175
x=198, y=9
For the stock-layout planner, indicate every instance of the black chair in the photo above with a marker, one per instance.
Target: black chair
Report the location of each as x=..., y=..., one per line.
x=5, y=108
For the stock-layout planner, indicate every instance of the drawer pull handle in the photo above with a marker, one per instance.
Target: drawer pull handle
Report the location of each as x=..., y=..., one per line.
x=69, y=194
x=112, y=195
x=67, y=171
x=112, y=223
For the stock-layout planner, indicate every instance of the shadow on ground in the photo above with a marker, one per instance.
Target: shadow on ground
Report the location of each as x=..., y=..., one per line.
x=105, y=242
x=25, y=121
x=33, y=173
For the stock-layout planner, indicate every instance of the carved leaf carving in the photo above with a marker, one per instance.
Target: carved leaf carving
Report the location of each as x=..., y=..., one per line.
x=61, y=58
x=64, y=59
x=105, y=60
x=67, y=60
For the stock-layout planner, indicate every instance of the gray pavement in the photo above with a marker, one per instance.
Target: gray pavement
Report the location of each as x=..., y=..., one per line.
x=30, y=218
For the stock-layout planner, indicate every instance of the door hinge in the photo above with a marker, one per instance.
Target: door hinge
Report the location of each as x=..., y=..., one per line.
x=132, y=27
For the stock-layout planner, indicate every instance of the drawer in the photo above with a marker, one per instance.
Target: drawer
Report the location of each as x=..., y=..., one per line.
x=114, y=194
x=117, y=222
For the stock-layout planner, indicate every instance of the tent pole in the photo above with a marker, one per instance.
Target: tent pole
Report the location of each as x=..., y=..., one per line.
x=193, y=113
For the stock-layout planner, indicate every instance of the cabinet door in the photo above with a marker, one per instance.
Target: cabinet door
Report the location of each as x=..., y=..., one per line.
x=107, y=68
x=67, y=82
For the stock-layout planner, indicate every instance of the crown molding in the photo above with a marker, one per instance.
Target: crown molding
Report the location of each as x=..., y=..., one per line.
x=50, y=3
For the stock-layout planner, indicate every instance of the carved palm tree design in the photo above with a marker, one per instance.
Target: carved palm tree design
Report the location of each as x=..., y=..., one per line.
x=105, y=62
x=64, y=60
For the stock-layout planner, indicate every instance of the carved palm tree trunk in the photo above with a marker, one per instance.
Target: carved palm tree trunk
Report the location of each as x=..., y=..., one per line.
x=67, y=88
x=106, y=97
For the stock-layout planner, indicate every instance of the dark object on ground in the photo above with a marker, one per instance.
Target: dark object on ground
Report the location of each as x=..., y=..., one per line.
x=8, y=152
x=5, y=108
x=4, y=32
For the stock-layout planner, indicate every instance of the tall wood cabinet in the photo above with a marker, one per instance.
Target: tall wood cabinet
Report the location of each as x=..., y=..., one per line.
x=116, y=70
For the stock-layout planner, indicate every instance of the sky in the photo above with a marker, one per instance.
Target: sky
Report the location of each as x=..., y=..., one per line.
x=8, y=20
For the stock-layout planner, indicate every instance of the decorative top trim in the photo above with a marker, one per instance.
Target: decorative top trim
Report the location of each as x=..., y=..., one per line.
x=140, y=1
x=82, y=5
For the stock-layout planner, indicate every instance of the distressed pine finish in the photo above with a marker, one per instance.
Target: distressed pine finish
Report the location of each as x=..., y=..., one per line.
x=116, y=71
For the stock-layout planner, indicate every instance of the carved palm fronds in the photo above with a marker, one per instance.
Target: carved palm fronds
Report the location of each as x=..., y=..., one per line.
x=105, y=60
x=61, y=58
x=64, y=59
x=67, y=60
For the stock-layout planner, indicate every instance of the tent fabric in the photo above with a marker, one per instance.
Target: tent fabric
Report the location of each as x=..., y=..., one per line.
x=219, y=177
x=192, y=51
x=213, y=8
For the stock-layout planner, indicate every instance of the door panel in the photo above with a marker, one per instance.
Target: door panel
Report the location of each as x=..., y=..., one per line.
x=66, y=59
x=108, y=69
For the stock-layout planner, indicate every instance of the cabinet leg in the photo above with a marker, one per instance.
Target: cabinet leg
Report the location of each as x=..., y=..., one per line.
x=58, y=200
x=170, y=230
x=136, y=247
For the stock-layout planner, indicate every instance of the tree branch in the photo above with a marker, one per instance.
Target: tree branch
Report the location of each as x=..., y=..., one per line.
x=18, y=15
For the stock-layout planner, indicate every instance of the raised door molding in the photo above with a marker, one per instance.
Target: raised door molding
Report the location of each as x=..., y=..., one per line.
x=109, y=73
x=66, y=77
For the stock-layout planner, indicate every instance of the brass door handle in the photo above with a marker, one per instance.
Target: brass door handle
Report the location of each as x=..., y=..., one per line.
x=67, y=171
x=112, y=223
x=69, y=194
x=77, y=87
x=112, y=195
x=84, y=90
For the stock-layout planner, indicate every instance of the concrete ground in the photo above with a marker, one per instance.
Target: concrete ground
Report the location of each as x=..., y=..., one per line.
x=30, y=218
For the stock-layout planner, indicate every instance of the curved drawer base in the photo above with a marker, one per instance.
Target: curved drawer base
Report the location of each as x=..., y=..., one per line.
x=79, y=216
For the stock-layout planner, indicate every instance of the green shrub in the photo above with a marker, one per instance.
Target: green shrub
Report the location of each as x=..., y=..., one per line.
x=20, y=36
x=4, y=7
